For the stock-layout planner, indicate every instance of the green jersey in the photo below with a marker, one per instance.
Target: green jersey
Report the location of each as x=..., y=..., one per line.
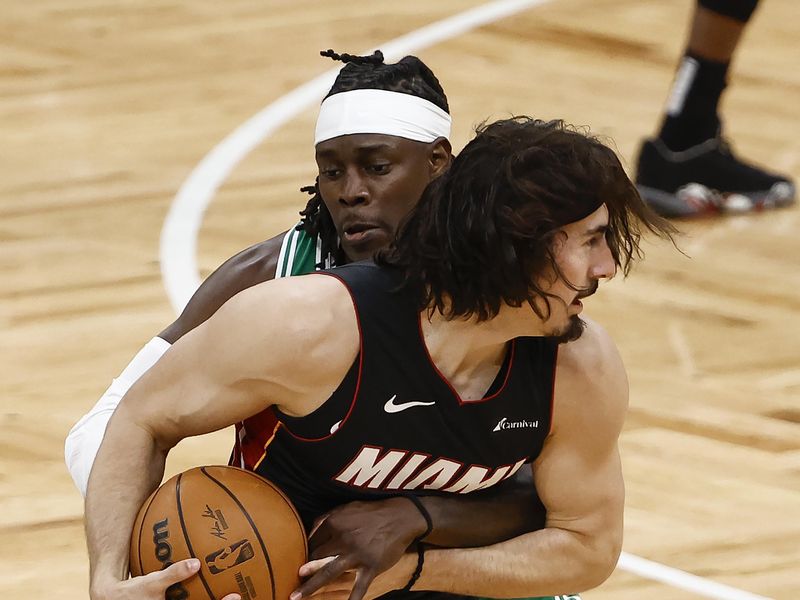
x=300, y=254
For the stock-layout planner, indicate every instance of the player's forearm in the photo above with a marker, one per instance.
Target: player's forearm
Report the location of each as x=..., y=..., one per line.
x=129, y=466
x=485, y=520
x=547, y=562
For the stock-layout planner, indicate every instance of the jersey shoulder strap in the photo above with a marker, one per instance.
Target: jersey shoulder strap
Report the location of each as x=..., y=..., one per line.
x=300, y=253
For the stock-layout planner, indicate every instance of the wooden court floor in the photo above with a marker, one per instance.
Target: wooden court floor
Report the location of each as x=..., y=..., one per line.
x=106, y=107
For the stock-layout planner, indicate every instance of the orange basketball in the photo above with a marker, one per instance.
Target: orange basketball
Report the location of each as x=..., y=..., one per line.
x=245, y=531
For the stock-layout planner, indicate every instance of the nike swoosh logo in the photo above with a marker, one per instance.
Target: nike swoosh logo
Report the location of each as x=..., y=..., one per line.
x=391, y=407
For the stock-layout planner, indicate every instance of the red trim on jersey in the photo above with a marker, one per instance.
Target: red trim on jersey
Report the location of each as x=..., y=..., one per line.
x=447, y=382
x=553, y=391
x=360, y=367
x=251, y=439
x=269, y=441
x=235, y=459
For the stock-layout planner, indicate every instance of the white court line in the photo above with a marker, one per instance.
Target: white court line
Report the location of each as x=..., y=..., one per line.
x=680, y=345
x=179, y=234
x=682, y=580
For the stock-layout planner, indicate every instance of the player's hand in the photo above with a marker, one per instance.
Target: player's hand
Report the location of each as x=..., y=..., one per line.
x=343, y=586
x=152, y=586
x=365, y=538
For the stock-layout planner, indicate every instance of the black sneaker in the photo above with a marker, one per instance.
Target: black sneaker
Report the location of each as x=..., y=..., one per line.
x=706, y=179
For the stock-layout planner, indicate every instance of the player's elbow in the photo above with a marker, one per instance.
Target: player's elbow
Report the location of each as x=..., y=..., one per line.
x=165, y=434
x=600, y=560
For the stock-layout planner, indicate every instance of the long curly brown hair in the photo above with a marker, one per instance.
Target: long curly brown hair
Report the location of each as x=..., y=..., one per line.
x=484, y=230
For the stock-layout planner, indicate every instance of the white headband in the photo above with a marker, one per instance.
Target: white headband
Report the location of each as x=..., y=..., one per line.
x=381, y=111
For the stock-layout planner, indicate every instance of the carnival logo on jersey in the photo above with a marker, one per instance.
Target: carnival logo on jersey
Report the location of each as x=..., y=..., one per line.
x=504, y=424
x=379, y=468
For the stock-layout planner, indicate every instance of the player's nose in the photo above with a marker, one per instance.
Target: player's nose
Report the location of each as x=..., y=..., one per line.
x=354, y=190
x=604, y=266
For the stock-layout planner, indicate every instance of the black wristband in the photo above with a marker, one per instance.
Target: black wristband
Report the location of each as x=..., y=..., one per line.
x=425, y=514
x=418, y=570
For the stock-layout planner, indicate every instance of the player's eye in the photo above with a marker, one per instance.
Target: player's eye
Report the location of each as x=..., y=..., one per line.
x=380, y=168
x=329, y=172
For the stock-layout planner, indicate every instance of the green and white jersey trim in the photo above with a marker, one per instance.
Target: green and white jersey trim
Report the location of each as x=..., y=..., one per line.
x=300, y=254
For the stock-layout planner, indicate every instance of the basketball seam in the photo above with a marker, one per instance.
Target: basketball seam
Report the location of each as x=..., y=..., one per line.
x=186, y=534
x=252, y=525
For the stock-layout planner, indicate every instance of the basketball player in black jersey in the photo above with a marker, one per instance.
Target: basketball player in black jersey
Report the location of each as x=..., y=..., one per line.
x=385, y=175
x=499, y=250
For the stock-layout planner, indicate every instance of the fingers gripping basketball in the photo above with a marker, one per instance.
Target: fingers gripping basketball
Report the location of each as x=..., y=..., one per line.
x=245, y=532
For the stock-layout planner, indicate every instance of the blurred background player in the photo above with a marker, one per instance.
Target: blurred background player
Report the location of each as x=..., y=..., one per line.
x=690, y=169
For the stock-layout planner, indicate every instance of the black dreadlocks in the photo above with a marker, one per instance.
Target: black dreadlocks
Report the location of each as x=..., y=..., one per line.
x=408, y=76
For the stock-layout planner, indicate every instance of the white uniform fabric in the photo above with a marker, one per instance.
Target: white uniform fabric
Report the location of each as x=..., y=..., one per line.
x=381, y=112
x=84, y=439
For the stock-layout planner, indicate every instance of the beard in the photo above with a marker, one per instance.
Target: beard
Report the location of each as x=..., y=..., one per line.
x=572, y=331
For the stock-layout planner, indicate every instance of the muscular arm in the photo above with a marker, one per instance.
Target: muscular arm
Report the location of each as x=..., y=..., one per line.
x=210, y=378
x=378, y=532
x=248, y=268
x=370, y=537
x=579, y=479
x=487, y=517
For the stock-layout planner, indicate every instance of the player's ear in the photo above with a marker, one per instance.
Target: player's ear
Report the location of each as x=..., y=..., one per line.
x=441, y=154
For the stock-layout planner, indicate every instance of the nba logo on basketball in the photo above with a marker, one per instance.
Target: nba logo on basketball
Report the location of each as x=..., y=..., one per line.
x=230, y=556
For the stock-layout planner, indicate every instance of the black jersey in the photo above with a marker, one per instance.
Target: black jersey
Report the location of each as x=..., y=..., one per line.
x=395, y=424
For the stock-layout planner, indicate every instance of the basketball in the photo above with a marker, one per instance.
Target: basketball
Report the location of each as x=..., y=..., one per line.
x=243, y=529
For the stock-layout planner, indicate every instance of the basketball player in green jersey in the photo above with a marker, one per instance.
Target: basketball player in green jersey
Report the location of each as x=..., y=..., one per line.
x=389, y=175
x=386, y=175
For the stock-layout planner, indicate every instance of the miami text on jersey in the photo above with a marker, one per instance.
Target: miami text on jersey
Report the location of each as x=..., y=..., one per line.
x=378, y=468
